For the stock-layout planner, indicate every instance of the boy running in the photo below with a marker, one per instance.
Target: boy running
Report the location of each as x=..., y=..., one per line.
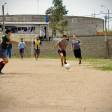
x=62, y=44
x=3, y=48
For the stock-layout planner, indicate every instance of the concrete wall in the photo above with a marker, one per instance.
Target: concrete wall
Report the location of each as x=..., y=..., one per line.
x=94, y=46
x=79, y=25
x=91, y=46
x=24, y=18
x=84, y=25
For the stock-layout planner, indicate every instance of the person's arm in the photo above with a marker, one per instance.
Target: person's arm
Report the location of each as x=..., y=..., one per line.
x=40, y=42
x=72, y=46
x=5, y=40
x=24, y=45
x=33, y=43
x=56, y=45
x=79, y=42
x=19, y=45
x=67, y=42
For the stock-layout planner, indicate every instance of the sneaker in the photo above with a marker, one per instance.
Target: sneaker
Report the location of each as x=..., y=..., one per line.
x=65, y=62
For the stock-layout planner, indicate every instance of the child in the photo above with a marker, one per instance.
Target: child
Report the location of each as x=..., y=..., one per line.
x=76, y=48
x=62, y=44
x=3, y=48
x=36, y=45
x=21, y=47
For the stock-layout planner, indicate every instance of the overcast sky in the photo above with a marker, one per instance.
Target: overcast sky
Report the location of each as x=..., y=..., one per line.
x=75, y=7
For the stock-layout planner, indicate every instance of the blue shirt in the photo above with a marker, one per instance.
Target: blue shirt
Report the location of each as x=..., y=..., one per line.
x=21, y=45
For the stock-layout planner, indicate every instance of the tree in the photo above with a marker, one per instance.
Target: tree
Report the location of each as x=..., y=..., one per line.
x=56, y=15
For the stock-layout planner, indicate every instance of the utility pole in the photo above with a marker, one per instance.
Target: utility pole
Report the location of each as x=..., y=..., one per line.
x=108, y=20
x=105, y=25
x=107, y=30
x=3, y=17
x=106, y=39
x=108, y=16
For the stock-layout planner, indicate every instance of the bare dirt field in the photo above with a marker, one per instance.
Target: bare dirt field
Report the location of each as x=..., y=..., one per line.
x=44, y=86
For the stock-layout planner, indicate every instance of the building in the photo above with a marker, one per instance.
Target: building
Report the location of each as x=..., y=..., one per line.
x=33, y=24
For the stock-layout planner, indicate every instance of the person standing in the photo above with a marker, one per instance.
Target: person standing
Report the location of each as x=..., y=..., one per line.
x=6, y=40
x=62, y=44
x=76, y=48
x=9, y=50
x=36, y=44
x=21, y=47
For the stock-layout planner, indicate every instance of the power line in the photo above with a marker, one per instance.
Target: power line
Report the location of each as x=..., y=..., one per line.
x=97, y=14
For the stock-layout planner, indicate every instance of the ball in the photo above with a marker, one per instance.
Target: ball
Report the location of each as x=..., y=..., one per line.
x=67, y=66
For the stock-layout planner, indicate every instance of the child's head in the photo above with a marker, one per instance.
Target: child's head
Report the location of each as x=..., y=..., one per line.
x=37, y=37
x=64, y=36
x=8, y=32
x=22, y=39
x=74, y=36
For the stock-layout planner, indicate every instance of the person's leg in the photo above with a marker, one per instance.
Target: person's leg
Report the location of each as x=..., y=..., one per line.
x=80, y=57
x=64, y=55
x=36, y=57
x=7, y=52
x=80, y=60
x=35, y=53
x=65, y=60
x=61, y=57
x=2, y=63
x=22, y=53
x=10, y=53
x=38, y=53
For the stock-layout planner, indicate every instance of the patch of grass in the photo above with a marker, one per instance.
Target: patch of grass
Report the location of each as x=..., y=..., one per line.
x=102, y=64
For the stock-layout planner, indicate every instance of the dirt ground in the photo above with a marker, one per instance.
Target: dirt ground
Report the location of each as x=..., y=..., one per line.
x=44, y=86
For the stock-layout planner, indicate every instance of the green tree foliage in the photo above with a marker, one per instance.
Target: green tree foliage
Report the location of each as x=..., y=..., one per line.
x=56, y=15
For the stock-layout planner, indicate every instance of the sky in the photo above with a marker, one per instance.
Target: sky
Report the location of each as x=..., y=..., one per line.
x=74, y=7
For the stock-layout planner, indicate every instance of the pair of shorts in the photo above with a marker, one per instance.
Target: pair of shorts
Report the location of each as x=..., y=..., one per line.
x=77, y=53
x=37, y=51
x=21, y=51
x=3, y=52
x=62, y=51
